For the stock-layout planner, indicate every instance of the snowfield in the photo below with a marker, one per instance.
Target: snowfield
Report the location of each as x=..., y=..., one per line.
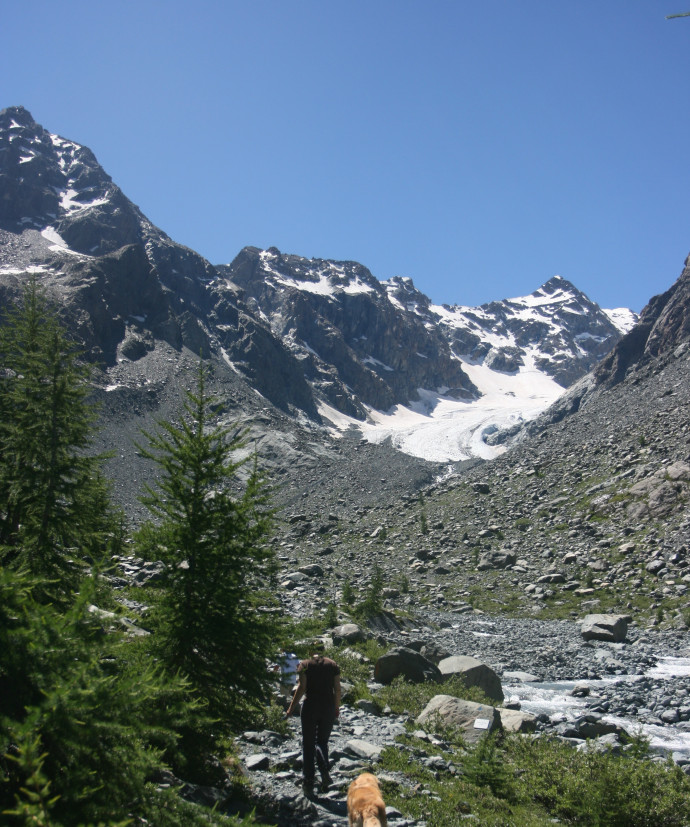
x=441, y=429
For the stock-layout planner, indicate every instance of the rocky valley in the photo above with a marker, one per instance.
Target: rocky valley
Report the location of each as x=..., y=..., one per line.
x=508, y=470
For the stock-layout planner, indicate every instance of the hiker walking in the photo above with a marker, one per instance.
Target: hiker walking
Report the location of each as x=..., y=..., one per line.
x=319, y=684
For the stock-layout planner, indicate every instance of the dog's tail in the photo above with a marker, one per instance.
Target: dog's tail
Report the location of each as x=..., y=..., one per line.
x=371, y=818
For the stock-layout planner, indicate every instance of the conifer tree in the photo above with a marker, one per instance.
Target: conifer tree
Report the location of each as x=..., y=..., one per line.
x=87, y=718
x=54, y=504
x=210, y=622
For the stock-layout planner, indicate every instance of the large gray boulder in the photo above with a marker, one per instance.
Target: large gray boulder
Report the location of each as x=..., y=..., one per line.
x=348, y=633
x=612, y=628
x=406, y=662
x=473, y=720
x=514, y=720
x=473, y=673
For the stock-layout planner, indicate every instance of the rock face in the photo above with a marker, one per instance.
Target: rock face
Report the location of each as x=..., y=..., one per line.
x=473, y=720
x=359, y=340
x=123, y=284
x=663, y=326
x=365, y=342
x=473, y=673
x=605, y=627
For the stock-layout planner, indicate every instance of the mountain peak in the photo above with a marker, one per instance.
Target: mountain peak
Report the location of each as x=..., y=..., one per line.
x=17, y=114
x=558, y=283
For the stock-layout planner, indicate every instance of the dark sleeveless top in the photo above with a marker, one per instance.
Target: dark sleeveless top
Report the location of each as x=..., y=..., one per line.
x=320, y=675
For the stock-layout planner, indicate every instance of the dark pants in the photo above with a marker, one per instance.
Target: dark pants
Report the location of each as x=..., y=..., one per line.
x=317, y=724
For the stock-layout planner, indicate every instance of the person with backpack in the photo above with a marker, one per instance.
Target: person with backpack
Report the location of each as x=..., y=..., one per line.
x=319, y=684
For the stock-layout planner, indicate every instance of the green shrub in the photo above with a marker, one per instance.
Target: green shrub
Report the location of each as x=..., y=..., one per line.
x=600, y=789
x=485, y=766
x=348, y=593
x=373, y=602
x=330, y=618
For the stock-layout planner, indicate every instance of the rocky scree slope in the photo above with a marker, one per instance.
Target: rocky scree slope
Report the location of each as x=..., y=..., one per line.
x=588, y=512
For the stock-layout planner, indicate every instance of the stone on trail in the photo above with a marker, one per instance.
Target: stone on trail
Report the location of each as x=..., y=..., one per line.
x=260, y=761
x=473, y=673
x=364, y=749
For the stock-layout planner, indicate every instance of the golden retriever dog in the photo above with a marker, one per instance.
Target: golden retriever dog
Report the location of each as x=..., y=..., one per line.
x=365, y=807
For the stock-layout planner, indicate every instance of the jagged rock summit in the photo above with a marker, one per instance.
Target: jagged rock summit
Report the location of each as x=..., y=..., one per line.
x=321, y=342
x=437, y=380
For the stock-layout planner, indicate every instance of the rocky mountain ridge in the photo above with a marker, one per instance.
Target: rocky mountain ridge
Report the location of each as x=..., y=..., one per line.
x=313, y=338
x=388, y=341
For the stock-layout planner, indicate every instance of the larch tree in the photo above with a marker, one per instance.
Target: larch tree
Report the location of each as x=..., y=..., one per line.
x=211, y=622
x=54, y=500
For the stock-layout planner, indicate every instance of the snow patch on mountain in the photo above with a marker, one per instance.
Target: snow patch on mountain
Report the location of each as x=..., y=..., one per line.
x=623, y=318
x=441, y=429
x=323, y=278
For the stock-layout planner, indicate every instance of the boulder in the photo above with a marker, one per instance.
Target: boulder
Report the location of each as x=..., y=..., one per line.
x=384, y=622
x=348, y=633
x=364, y=749
x=473, y=720
x=294, y=578
x=312, y=570
x=429, y=649
x=473, y=673
x=678, y=471
x=522, y=677
x=496, y=560
x=406, y=662
x=580, y=690
x=513, y=720
x=588, y=726
x=605, y=627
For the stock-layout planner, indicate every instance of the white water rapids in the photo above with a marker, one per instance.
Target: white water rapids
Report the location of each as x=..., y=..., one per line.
x=555, y=700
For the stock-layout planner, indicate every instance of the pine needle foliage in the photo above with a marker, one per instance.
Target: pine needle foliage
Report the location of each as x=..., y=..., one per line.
x=210, y=622
x=54, y=504
x=84, y=722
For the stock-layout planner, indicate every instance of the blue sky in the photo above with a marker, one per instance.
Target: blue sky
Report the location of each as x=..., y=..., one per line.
x=479, y=148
